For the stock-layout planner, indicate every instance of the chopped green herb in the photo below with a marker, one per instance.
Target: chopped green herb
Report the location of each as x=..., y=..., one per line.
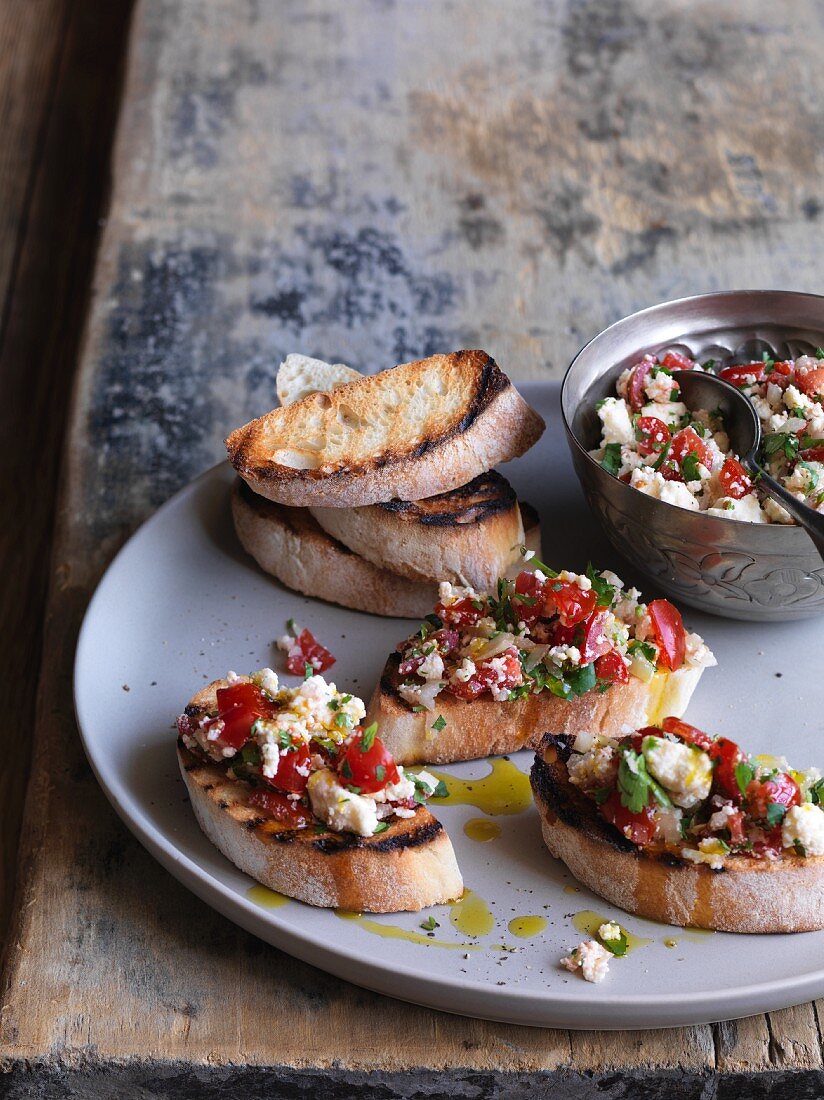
x=418, y=709
x=601, y=794
x=819, y=353
x=635, y=784
x=344, y=721
x=781, y=442
x=659, y=462
x=775, y=813
x=308, y=671
x=604, y=591
x=439, y=723
x=612, y=459
x=582, y=680
x=744, y=774
x=346, y=769
x=290, y=625
x=618, y=947
x=689, y=467
x=368, y=737
x=646, y=649
x=381, y=827
x=430, y=924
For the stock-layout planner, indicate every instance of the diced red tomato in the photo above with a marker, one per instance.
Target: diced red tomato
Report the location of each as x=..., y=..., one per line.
x=635, y=386
x=782, y=370
x=813, y=454
x=594, y=642
x=572, y=603
x=293, y=770
x=652, y=435
x=771, y=845
x=239, y=706
x=726, y=755
x=685, y=442
x=461, y=613
x=505, y=675
x=287, y=811
x=411, y=665
x=669, y=633
x=533, y=588
x=674, y=360
x=743, y=374
x=367, y=765
x=610, y=667
x=690, y=734
x=811, y=383
x=446, y=640
x=307, y=650
x=735, y=826
x=781, y=789
x=734, y=479
x=639, y=828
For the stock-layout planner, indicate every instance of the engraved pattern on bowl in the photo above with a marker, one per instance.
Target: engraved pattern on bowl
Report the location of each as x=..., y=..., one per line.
x=762, y=572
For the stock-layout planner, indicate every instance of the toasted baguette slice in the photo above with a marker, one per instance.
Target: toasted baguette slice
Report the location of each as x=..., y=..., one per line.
x=410, y=432
x=407, y=867
x=484, y=727
x=299, y=376
x=749, y=895
x=291, y=546
x=469, y=535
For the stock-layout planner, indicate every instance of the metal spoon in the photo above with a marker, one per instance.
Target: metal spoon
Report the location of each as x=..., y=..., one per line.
x=700, y=390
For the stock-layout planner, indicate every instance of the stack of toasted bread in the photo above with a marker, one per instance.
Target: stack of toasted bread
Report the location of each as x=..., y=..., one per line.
x=367, y=491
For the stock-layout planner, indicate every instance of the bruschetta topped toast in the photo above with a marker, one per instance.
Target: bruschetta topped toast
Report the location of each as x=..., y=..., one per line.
x=680, y=826
x=291, y=787
x=547, y=651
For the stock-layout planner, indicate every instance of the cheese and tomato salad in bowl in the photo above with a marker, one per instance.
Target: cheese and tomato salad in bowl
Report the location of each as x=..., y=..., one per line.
x=653, y=442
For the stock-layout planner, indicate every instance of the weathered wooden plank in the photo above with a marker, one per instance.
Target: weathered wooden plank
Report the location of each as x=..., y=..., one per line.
x=291, y=176
x=57, y=103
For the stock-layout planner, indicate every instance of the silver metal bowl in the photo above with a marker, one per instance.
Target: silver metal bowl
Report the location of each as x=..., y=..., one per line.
x=757, y=571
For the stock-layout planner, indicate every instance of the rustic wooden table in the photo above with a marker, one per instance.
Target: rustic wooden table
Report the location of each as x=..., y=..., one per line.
x=369, y=182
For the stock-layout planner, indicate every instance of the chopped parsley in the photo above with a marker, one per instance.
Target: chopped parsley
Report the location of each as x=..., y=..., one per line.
x=430, y=924
x=381, y=827
x=635, y=784
x=604, y=591
x=368, y=737
x=612, y=461
x=439, y=723
x=775, y=813
x=744, y=775
x=689, y=467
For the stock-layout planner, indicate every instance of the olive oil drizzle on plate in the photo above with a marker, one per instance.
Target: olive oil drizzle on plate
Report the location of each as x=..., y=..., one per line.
x=505, y=790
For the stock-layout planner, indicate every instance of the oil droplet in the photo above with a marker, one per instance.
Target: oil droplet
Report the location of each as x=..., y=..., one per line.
x=572, y=890
x=505, y=790
x=589, y=922
x=698, y=933
x=482, y=829
x=670, y=943
x=527, y=927
x=395, y=932
x=269, y=899
x=471, y=915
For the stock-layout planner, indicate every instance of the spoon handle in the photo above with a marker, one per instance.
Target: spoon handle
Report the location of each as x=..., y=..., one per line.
x=808, y=518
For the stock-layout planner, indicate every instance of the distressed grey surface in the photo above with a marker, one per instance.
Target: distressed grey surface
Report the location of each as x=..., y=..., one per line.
x=377, y=181
x=371, y=182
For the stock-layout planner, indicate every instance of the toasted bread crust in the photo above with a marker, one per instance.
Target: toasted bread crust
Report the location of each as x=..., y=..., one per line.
x=288, y=455
x=486, y=728
x=408, y=867
x=749, y=895
x=291, y=546
x=467, y=535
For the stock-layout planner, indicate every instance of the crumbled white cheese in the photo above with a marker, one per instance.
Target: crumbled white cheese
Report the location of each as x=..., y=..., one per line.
x=683, y=770
x=617, y=426
x=746, y=508
x=465, y=671
x=609, y=931
x=342, y=810
x=710, y=851
x=804, y=825
x=592, y=769
x=449, y=593
x=698, y=653
x=564, y=654
x=267, y=680
x=592, y=958
x=654, y=484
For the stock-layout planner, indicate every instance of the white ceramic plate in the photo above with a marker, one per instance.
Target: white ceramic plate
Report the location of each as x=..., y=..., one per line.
x=181, y=604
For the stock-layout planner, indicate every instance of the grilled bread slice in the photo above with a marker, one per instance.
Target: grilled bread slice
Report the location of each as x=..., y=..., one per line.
x=409, y=866
x=299, y=376
x=411, y=432
x=288, y=544
x=291, y=546
x=484, y=727
x=469, y=535
x=748, y=895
